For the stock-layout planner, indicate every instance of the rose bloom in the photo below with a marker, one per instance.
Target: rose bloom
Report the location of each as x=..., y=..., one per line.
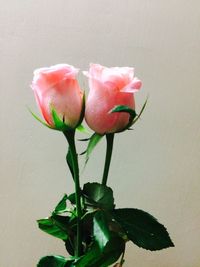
x=109, y=87
x=56, y=88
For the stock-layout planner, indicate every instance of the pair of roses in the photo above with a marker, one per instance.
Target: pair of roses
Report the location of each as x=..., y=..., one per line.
x=58, y=94
x=94, y=231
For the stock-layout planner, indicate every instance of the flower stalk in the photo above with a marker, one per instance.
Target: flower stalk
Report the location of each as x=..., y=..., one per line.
x=109, y=149
x=72, y=148
x=122, y=257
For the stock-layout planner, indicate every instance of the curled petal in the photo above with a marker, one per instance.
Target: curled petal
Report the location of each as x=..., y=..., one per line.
x=132, y=87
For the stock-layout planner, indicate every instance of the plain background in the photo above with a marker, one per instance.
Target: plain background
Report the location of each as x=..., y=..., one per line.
x=154, y=168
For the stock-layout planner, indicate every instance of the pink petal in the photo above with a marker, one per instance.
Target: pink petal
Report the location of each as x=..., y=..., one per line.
x=132, y=87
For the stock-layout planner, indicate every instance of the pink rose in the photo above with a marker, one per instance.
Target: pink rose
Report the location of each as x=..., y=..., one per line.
x=56, y=88
x=109, y=87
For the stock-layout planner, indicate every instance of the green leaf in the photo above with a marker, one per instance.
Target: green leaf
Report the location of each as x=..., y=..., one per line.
x=114, y=249
x=69, y=245
x=89, y=258
x=87, y=227
x=97, y=258
x=101, y=230
x=94, y=140
x=55, y=226
x=64, y=222
x=61, y=206
x=54, y=261
x=143, y=229
x=98, y=195
x=70, y=162
x=72, y=198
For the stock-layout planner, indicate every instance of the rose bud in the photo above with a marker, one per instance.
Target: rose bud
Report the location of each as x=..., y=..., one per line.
x=109, y=87
x=57, y=90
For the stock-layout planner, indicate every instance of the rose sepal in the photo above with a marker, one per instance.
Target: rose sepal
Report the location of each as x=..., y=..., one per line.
x=140, y=113
x=40, y=120
x=59, y=125
x=133, y=115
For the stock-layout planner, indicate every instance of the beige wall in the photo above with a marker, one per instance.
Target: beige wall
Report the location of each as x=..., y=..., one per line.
x=155, y=167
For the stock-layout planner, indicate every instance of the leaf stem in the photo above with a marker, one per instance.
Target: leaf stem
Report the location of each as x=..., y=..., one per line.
x=69, y=134
x=122, y=257
x=109, y=139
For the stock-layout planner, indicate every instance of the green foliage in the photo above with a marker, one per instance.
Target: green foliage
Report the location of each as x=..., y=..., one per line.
x=105, y=230
x=143, y=229
x=69, y=245
x=60, y=226
x=87, y=221
x=93, y=141
x=55, y=226
x=54, y=261
x=72, y=198
x=61, y=206
x=98, y=196
x=96, y=257
x=101, y=230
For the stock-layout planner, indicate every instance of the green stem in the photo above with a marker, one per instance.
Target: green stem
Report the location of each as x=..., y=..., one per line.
x=70, y=138
x=109, y=139
x=122, y=257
